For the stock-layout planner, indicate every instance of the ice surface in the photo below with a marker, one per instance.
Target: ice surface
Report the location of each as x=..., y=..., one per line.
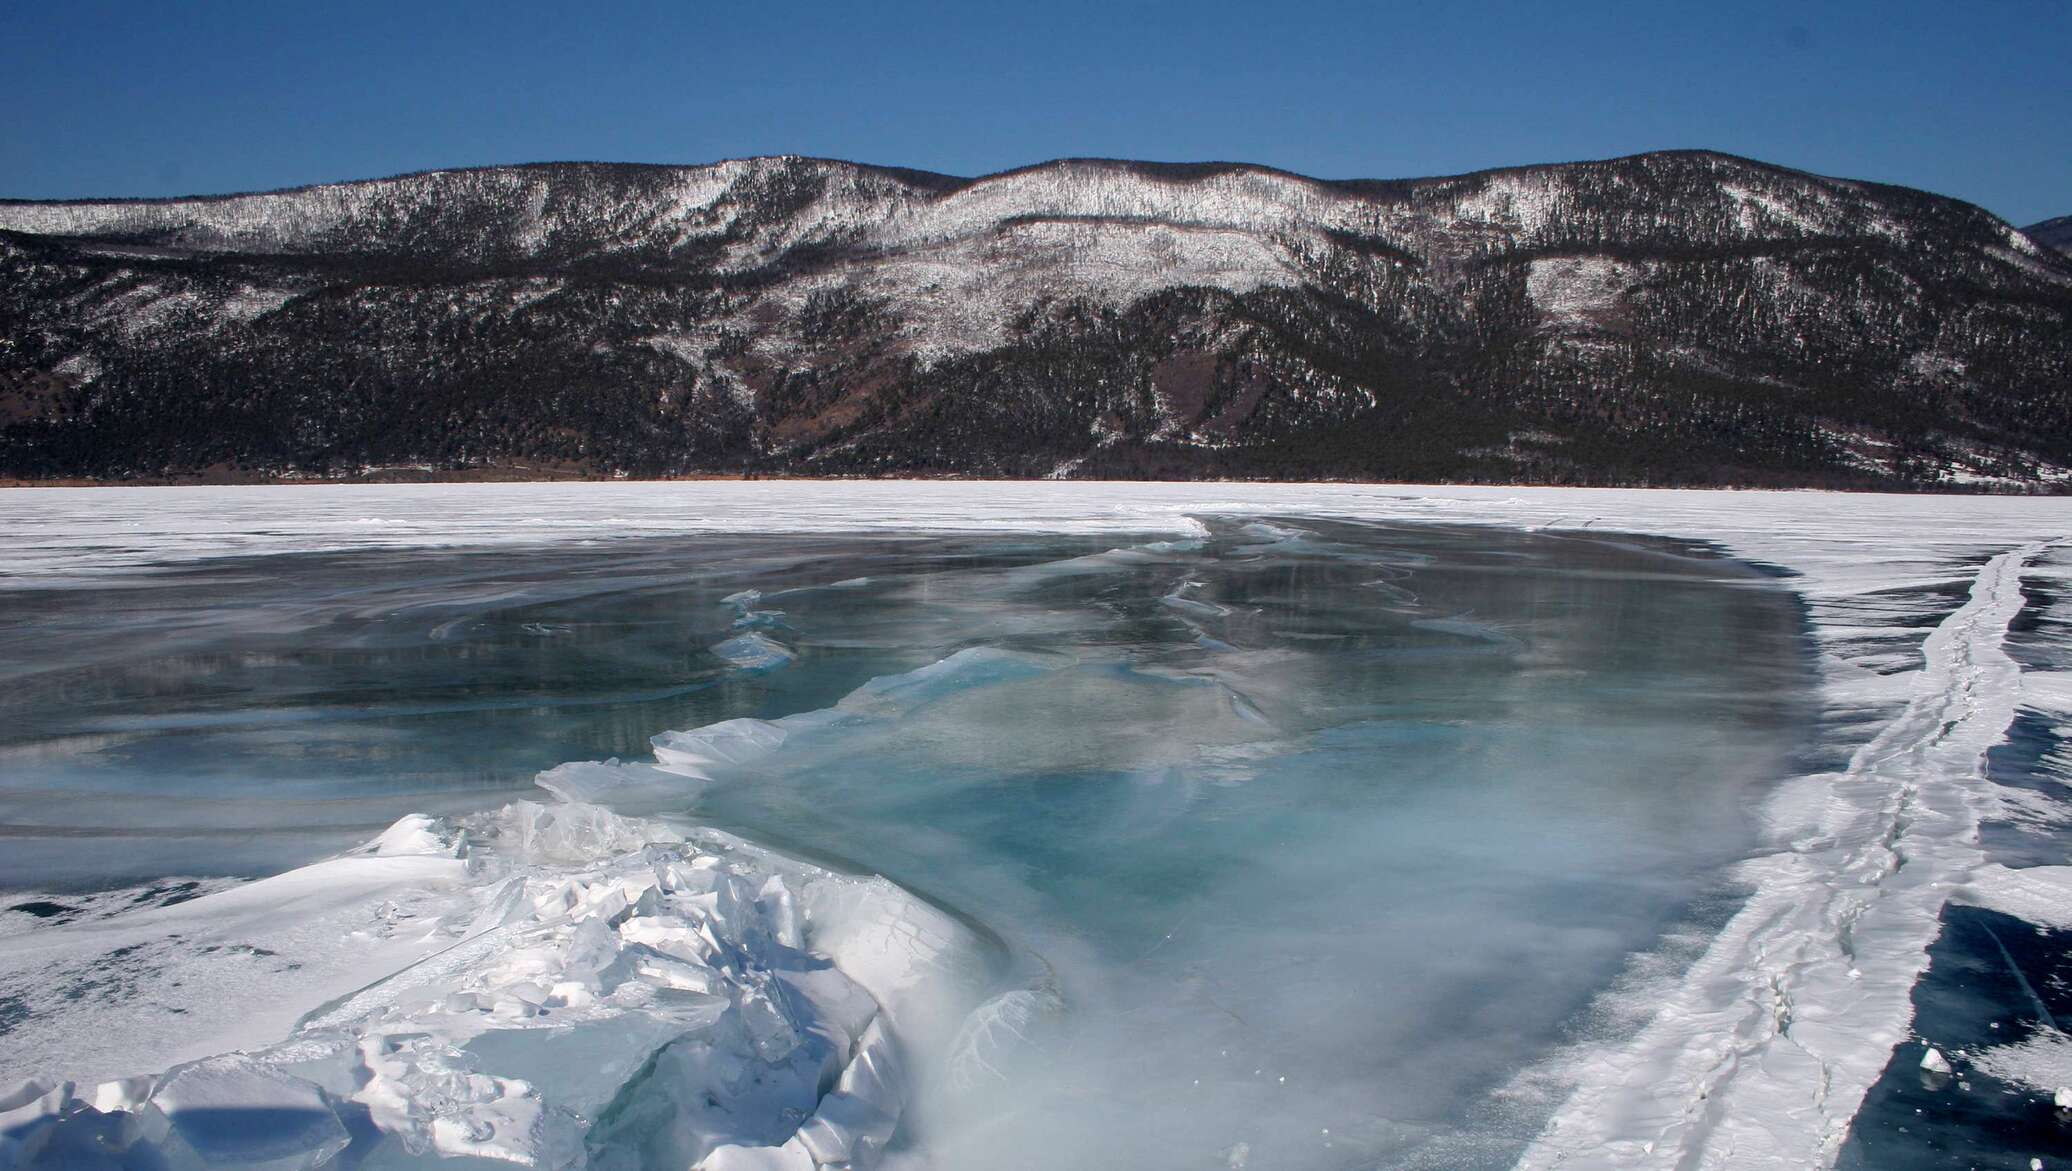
x=1124, y=757
x=2042, y=1062
x=2035, y=894
x=504, y=922
x=173, y=984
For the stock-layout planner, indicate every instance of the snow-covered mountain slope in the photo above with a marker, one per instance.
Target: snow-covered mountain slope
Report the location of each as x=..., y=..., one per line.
x=2052, y=233
x=1677, y=317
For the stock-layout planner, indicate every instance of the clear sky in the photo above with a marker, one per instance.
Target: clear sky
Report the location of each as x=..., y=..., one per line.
x=144, y=98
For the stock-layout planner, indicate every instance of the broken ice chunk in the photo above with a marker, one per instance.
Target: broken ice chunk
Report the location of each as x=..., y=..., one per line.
x=715, y=746
x=846, y=1129
x=792, y=1156
x=586, y=781
x=24, y=1092
x=583, y=1066
x=769, y=1027
x=59, y=1130
x=234, y=1113
x=129, y=1093
x=593, y=947
x=28, y=1112
x=670, y=972
x=504, y=1124
x=782, y=912
x=755, y=652
x=672, y=937
x=759, y=620
x=840, y=1007
x=416, y=835
x=574, y=833
x=914, y=960
x=968, y=668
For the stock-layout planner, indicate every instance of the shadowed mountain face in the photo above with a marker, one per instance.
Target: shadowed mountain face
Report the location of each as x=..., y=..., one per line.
x=1668, y=318
x=2055, y=233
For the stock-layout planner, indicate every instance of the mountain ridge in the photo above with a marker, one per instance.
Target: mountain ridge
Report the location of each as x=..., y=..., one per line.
x=1673, y=317
x=921, y=176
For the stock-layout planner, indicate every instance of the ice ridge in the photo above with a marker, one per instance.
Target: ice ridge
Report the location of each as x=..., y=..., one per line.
x=589, y=990
x=1762, y=1054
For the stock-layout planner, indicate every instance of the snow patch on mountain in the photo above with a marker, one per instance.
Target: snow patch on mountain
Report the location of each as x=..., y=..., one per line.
x=1578, y=291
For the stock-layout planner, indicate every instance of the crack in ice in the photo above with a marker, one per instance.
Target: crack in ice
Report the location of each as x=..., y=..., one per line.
x=1707, y=1084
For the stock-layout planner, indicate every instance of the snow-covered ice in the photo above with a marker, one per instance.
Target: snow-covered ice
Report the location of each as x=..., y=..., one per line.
x=545, y=978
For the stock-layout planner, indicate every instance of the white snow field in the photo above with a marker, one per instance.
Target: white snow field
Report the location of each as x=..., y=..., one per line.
x=350, y=1001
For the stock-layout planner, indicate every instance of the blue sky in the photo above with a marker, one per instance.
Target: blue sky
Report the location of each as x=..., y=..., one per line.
x=1972, y=100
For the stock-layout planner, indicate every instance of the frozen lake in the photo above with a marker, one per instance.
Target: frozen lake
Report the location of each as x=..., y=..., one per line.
x=1226, y=826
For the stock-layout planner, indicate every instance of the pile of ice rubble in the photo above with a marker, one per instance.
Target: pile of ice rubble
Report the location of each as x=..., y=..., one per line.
x=582, y=990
